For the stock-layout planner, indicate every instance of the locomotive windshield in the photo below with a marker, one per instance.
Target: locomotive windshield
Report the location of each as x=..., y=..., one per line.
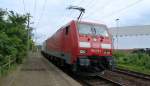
x=92, y=29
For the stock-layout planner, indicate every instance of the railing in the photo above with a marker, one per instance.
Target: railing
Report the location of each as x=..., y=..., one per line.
x=8, y=64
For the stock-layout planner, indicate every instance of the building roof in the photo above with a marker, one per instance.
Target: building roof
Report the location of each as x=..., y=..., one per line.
x=130, y=30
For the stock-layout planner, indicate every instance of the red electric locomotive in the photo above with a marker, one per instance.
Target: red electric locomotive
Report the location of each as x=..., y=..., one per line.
x=85, y=46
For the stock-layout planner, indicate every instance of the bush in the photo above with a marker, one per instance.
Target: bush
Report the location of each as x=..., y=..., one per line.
x=13, y=36
x=138, y=59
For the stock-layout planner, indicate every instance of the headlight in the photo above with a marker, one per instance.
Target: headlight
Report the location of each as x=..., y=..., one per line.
x=106, y=46
x=84, y=44
x=82, y=51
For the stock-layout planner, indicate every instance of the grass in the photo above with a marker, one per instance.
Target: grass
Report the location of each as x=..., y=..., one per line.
x=7, y=70
x=134, y=68
x=138, y=62
x=13, y=66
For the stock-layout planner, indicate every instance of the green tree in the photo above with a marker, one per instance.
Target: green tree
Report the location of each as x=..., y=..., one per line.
x=13, y=36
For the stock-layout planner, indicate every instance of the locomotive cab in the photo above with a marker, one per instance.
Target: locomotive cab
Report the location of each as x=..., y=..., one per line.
x=81, y=46
x=94, y=47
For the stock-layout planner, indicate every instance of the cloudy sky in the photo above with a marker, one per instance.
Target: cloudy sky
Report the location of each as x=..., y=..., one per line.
x=49, y=15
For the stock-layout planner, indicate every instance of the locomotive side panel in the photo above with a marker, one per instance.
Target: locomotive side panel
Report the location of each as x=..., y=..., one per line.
x=53, y=44
x=44, y=47
x=74, y=51
x=69, y=43
x=61, y=44
x=66, y=44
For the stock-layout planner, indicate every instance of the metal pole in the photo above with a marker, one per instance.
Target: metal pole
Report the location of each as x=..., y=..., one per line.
x=0, y=71
x=28, y=34
x=117, y=26
x=9, y=62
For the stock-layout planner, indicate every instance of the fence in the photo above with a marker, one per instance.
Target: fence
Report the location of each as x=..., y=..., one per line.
x=10, y=61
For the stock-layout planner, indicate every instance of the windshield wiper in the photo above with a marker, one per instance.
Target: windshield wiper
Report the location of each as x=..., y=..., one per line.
x=93, y=31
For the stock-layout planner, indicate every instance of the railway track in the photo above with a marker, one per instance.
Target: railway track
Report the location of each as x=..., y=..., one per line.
x=97, y=81
x=118, y=77
x=132, y=73
x=127, y=78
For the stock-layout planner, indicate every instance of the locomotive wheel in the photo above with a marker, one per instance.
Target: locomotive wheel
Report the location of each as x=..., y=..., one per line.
x=74, y=67
x=61, y=62
x=110, y=63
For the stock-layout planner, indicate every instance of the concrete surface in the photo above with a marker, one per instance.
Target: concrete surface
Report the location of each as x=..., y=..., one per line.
x=37, y=71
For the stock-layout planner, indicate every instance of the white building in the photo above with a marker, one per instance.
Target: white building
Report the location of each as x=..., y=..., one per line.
x=129, y=37
x=130, y=30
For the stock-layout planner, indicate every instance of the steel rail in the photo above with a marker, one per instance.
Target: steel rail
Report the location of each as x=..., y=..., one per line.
x=114, y=82
x=86, y=83
x=101, y=79
x=132, y=73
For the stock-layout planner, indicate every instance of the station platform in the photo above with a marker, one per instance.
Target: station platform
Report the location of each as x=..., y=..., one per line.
x=37, y=71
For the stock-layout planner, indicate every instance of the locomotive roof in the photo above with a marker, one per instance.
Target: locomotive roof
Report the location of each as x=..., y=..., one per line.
x=88, y=22
x=91, y=22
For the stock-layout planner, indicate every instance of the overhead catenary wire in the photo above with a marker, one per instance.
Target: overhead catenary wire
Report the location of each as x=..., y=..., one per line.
x=34, y=15
x=81, y=9
x=122, y=9
x=100, y=9
x=34, y=11
x=40, y=16
x=91, y=5
x=27, y=26
x=78, y=3
x=65, y=13
x=34, y=7
x=81, y=3
x=73, y=12
x=42, y=13
x=24, y=6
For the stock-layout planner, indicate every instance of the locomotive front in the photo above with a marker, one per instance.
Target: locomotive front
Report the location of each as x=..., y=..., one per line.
x=94, y=47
